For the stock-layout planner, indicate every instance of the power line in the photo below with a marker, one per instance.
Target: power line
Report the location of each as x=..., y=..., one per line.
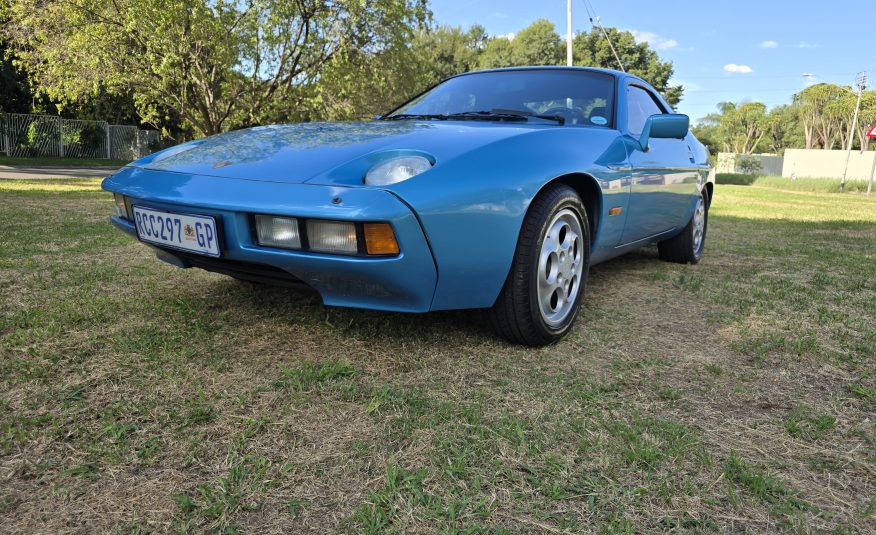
x=763, y=77
x=591, y=13
x=688, y=90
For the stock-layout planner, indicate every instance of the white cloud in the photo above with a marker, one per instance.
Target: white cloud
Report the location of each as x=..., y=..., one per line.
x=804, y=44
x=500, y=15
x=655, y=41
x=509, y=36
x=740, y=69
x=768, y=44
x=809, y=78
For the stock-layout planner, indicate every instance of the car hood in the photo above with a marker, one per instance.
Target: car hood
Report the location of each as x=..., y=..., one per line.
x=316, y=151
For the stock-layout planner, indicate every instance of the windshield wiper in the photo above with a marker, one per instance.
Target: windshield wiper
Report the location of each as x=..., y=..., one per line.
x=484, y=116
x=513, y=115
x=526, y=113
x=421, y=116
x=494, y=114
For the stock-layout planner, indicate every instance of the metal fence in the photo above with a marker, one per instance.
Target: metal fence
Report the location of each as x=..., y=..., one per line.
x=767, y=164
x=123, y=141
x=51, y=136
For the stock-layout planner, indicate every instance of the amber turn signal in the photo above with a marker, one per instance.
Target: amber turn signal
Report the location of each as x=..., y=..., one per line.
x=380, y=239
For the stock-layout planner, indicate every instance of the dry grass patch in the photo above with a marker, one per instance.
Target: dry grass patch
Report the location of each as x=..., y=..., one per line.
x=737, y=395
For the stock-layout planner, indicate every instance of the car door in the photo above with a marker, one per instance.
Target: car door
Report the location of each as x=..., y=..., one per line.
x=663, y=176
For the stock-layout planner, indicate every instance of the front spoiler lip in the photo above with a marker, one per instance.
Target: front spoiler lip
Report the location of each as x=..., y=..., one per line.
x=187, y=259
x=404, y=283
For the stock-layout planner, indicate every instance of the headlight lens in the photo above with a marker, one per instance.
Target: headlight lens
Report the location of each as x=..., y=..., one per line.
x=397, y=170
x=332, y=236
x=278, y=232
x=325, y=236
x=121, y=209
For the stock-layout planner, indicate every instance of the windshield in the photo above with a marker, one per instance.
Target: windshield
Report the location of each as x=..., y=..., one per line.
x=583, y=98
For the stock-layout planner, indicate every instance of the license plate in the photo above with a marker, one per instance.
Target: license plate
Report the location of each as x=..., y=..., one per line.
x=189, y=232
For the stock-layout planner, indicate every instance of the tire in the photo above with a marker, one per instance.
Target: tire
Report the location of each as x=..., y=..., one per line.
x=533, y=308
x=686, y=248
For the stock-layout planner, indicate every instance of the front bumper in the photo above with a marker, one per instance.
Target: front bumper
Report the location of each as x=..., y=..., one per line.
x=403, y=283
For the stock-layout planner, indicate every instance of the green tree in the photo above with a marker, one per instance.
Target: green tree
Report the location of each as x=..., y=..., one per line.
x=783, y=129
x=822, y=114
x=217, y=64
x=361, y=84
x=866, y=117
x=738, y=128
x=497, y=53
x=537, y=44
x=15, y=93
x=593, y=49
x=446, y=51
x=706, y=131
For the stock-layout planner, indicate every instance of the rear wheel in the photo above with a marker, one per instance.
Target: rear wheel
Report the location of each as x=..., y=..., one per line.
x=687, y=247
x=543, y=292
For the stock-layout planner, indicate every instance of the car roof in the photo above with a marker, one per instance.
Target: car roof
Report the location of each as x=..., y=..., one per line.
x=613, y=72
x=620, y=75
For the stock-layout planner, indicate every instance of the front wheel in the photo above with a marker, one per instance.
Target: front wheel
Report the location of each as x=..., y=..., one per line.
x=543, y=292
x=687, y=247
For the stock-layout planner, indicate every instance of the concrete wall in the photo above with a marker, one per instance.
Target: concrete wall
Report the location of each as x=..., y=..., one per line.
x=802, y=163
x=728, y=162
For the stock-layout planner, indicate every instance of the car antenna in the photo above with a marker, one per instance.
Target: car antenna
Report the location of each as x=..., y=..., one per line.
x=594, y=22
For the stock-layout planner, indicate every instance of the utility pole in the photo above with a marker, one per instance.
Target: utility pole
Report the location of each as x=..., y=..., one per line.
x=569, y=59
x=862, y=85
x=872, y=172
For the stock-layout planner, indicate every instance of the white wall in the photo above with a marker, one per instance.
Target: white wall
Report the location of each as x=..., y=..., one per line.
x=814, y=163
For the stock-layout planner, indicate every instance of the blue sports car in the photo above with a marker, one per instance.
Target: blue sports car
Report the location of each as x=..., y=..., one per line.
x=495, y=189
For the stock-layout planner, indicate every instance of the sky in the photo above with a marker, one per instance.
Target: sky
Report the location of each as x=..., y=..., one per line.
x=738, y=50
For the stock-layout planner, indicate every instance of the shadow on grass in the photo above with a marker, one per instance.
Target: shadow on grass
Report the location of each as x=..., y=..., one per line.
x=454, y=328
x=735, y=179
x=780, y=242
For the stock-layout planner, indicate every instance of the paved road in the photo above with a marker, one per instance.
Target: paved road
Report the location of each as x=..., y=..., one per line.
x=47, y=171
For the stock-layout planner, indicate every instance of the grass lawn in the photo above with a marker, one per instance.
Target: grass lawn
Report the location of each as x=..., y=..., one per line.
x=62, y=162
x=738, y=395
x=812, y=185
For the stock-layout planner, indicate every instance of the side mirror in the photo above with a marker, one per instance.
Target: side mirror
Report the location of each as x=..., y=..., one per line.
x=664, y=126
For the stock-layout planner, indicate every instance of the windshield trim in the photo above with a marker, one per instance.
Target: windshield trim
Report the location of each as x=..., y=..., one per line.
x=614, y=79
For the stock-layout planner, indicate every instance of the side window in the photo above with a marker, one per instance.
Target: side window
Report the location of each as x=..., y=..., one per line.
x=640, y=106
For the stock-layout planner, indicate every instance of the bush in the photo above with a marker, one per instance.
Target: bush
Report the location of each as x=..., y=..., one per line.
x=737, y=179
x=154, y=146
x=92, y=136
x=749, y=164
x=41, y=137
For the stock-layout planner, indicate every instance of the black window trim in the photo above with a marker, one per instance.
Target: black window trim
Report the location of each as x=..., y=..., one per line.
x=650, y=93
x=614, y=125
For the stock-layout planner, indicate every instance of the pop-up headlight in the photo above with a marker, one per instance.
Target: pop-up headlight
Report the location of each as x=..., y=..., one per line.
x=397, y=170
